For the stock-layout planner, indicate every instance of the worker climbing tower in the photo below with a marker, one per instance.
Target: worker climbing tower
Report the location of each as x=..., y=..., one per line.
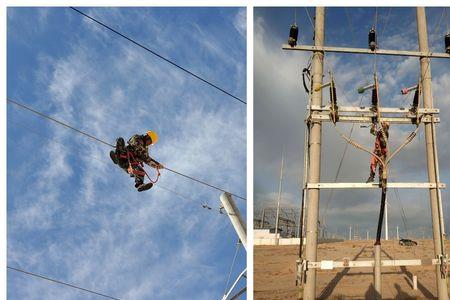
x=318, y=113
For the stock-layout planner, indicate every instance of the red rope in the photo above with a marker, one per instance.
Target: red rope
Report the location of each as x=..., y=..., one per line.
x=158, y=174
x=132, y=171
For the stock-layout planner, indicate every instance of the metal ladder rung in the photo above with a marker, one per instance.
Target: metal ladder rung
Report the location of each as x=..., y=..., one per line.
x=329, y=264
x=368, y=109
x=362, y=185
x=323, y=117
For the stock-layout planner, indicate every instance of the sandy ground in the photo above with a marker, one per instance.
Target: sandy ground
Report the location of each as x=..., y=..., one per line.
x=275, y=272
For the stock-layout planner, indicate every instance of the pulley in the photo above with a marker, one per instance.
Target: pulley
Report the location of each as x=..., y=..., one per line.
x=447, y=43
x=293, y=35
x=372, y=39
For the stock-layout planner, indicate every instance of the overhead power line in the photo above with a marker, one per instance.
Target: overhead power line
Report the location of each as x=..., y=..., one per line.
x=111, y=145
x=60, y=143
x=62, y=283
x=59, y=122
x=53, y=140
x=158, y=55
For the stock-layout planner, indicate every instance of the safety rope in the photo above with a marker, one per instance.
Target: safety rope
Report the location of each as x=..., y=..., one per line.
x=385, y=24
x=402, y=211
x=446, y=19
x=410, y=137
x=131, y=170
x=295, y=15
x=331, y=194
x=310, y=19
x=359, y=146
x=375, y=50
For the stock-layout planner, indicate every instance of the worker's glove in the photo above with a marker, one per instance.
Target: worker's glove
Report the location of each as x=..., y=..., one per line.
x=156, y=165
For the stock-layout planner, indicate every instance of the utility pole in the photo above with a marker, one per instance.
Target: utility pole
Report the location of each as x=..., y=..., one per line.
x=239, y=226
x=235, y=217
x=279, y=197
x=367, y=235
x=263, y=214
x=398, y=237
x=309, y=292
x=433, y=172
x=386, y=230
x=350, y=233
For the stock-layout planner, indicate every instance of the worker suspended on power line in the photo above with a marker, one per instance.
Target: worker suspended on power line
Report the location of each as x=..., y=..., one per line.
x=381, y=134
x=131, y=158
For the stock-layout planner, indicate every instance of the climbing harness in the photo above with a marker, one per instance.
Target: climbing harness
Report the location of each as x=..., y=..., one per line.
x=132, y=162
x=359, y=146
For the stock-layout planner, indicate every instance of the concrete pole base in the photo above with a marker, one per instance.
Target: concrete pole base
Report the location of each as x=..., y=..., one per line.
x=377, y=272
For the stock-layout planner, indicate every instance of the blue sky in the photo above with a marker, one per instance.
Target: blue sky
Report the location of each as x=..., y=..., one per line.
x=73, y=215
x=280, y=102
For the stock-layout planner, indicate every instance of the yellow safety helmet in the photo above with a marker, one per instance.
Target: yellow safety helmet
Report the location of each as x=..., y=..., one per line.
x=153, y=135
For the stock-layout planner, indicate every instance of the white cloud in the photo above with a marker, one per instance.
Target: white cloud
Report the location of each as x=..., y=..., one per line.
x=240, y=22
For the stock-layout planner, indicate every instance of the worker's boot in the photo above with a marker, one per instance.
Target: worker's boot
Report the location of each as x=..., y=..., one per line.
x=114, y=158
x=144, y=187
x=371, y=177
x=120, y=144
x=138, y=182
